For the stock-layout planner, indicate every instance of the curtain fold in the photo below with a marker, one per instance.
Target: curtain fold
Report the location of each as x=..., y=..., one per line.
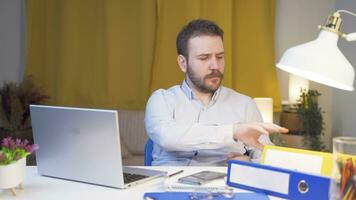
x=114, y=53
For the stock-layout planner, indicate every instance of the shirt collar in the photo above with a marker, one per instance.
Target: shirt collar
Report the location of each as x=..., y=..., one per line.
x=187, y=91
x=190, y=94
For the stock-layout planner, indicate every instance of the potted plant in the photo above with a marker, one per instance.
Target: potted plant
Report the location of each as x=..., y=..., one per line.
x=13, y=162
x=310, y=114
x=15, y=100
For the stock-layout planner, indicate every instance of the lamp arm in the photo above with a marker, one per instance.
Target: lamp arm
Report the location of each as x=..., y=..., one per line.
x=351, y=36
x=346, y=11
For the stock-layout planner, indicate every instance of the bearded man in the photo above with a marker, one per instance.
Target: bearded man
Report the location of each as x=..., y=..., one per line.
x=201, y=122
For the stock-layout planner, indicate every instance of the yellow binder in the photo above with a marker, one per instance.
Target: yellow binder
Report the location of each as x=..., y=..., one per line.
x=298, y=159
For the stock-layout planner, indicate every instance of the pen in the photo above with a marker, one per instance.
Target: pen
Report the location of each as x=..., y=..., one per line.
x=175, y=173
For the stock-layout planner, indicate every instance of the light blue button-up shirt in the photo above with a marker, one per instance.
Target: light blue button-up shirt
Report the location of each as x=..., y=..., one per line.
x=186, y=132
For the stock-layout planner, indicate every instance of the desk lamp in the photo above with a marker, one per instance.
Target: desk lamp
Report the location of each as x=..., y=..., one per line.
x=321, y=60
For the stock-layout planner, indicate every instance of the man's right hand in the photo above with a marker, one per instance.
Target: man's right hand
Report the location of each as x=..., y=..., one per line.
x=249, y=133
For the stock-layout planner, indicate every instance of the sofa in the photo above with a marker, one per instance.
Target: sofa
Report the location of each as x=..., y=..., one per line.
x=133, y=136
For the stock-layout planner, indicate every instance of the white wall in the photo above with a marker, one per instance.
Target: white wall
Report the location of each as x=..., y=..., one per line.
x=296, y=23
x=344, y=109
x=12, y=40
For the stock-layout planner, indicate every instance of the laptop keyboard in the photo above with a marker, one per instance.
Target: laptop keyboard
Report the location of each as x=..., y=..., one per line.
x=129, y=178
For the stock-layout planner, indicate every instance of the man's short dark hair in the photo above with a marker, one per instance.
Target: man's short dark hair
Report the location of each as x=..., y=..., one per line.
x=196, y=28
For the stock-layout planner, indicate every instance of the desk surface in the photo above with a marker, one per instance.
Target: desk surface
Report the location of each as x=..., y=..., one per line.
x=43, y=188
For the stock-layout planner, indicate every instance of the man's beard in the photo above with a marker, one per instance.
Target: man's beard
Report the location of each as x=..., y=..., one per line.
x=199, y=82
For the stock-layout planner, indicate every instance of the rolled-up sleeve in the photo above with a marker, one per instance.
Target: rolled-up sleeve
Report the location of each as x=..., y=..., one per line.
x=172, y=135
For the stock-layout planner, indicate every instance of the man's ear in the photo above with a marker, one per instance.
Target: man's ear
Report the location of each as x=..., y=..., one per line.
x=182, y=62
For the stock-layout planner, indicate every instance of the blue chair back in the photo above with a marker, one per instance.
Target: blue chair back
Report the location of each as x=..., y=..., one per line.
x=148, y=152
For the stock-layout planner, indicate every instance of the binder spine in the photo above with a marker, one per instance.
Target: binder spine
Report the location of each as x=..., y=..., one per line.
x=299, y=185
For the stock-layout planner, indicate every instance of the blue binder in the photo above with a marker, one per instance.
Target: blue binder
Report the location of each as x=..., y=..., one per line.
x=187, y=196
x=276, y=181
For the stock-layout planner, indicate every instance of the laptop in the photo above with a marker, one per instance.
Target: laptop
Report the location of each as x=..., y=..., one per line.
x=83, y=145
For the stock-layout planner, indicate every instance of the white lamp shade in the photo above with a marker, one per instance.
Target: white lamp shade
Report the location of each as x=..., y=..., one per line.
x=320, y=61
x=265, y=105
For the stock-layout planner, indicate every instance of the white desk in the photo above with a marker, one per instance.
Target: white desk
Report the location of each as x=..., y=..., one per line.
x=44, y=188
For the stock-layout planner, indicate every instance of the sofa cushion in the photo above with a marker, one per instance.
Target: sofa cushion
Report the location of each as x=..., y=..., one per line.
x=125, y=153
x=132, y=130
x=137, y=160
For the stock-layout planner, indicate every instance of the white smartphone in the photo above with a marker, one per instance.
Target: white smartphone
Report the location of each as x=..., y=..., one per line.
x=201, y=177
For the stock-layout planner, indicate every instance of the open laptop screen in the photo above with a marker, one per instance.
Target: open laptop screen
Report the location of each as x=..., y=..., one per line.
x=78, y=144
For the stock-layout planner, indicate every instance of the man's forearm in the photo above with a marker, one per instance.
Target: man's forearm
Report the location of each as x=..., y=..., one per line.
x=178, y=137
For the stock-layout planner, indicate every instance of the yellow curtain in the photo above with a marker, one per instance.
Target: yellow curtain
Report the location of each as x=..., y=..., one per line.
x=114, y=53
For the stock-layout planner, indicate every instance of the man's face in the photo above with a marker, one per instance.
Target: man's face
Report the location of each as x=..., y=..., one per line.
x=205, y=63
